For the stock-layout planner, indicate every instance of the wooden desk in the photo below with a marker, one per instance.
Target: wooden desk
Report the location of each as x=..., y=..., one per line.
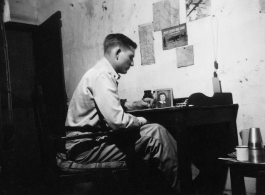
x=201, y=132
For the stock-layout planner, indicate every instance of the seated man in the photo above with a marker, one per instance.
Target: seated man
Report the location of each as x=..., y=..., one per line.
x=96, y=103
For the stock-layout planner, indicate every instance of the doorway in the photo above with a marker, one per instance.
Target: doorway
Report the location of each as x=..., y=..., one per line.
x=35, y=58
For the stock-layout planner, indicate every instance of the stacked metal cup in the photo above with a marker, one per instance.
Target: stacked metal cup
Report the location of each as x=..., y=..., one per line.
x=255, y=145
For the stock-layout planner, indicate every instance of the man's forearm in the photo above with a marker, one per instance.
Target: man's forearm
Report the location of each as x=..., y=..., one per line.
x=129, y=106
x=136, y=105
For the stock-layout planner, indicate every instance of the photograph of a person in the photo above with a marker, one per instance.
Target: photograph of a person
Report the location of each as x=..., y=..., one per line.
x=164, y=98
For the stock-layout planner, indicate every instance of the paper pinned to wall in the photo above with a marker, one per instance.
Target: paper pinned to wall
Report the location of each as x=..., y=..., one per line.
x=165, y=14
x=175, y=37
x=146, y=39
x=262, y=6
x=197, y=9
x=185, y=56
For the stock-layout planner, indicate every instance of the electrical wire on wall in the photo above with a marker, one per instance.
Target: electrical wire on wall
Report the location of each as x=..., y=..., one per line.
x=216, y=82
x=215, y=42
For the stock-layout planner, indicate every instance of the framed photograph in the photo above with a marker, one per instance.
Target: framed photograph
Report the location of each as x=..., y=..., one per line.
x=164, y=97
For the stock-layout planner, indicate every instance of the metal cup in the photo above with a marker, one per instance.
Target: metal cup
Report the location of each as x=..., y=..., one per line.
x=254, y=139
x=256, y=156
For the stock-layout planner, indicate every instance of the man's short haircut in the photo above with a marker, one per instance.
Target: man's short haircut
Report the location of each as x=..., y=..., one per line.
x=118, y=40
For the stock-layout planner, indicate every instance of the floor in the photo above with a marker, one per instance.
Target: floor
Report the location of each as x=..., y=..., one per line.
x=84, y=189
x=36, y=186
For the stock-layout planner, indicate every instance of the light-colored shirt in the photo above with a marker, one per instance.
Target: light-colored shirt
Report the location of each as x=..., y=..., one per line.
x=95, y=99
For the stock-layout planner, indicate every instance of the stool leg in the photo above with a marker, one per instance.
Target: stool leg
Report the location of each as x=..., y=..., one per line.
x=237, y=181
x=261, y=183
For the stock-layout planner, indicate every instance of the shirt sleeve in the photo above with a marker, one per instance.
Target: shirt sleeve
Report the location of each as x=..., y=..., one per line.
x=106, y=96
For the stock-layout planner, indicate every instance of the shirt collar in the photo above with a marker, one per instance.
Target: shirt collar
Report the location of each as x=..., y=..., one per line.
x=111, y=69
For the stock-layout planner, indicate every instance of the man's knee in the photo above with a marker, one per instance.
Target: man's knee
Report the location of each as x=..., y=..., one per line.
x=153, y=130
x=154, y=127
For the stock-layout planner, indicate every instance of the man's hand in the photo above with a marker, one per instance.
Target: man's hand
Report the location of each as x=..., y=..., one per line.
x=142, y=104
x=150, y=101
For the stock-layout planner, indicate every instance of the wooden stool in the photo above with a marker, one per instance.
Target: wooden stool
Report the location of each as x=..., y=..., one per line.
x=239, y=170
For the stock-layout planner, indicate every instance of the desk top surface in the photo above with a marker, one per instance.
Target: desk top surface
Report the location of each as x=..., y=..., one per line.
x=235, y=162
x=169, y=109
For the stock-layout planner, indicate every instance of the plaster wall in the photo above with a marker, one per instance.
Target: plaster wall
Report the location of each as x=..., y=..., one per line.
x=24, y=11
x=235, y=34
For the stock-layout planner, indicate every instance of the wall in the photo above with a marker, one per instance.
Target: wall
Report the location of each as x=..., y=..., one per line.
x=240, y=42
x=23, y=11
x=235, y=33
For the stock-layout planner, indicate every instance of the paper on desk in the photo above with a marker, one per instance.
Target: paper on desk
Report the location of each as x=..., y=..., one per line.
x=229, y=159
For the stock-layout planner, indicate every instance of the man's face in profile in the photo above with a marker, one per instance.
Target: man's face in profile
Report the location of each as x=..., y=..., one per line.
x=125, y=60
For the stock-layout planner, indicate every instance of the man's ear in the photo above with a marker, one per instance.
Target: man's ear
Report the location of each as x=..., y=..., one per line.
x=117, y=53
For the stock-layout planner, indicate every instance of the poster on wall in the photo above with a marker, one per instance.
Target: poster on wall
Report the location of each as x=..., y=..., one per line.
x=185, y=56
x=146, y=39
x=165, y=14
x=262, y=6
x=197, y=9
x=174, y=37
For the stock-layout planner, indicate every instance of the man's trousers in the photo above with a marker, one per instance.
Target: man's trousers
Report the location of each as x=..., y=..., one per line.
x=153, y=144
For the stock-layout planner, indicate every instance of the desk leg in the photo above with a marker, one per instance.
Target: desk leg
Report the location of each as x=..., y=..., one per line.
x=185, y=174
x=261, y=183
x=233, y=138
x=237, y=181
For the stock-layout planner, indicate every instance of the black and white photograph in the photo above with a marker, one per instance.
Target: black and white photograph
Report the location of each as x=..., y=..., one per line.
x=133, y=97
x=164, y=98
x=174, y=37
